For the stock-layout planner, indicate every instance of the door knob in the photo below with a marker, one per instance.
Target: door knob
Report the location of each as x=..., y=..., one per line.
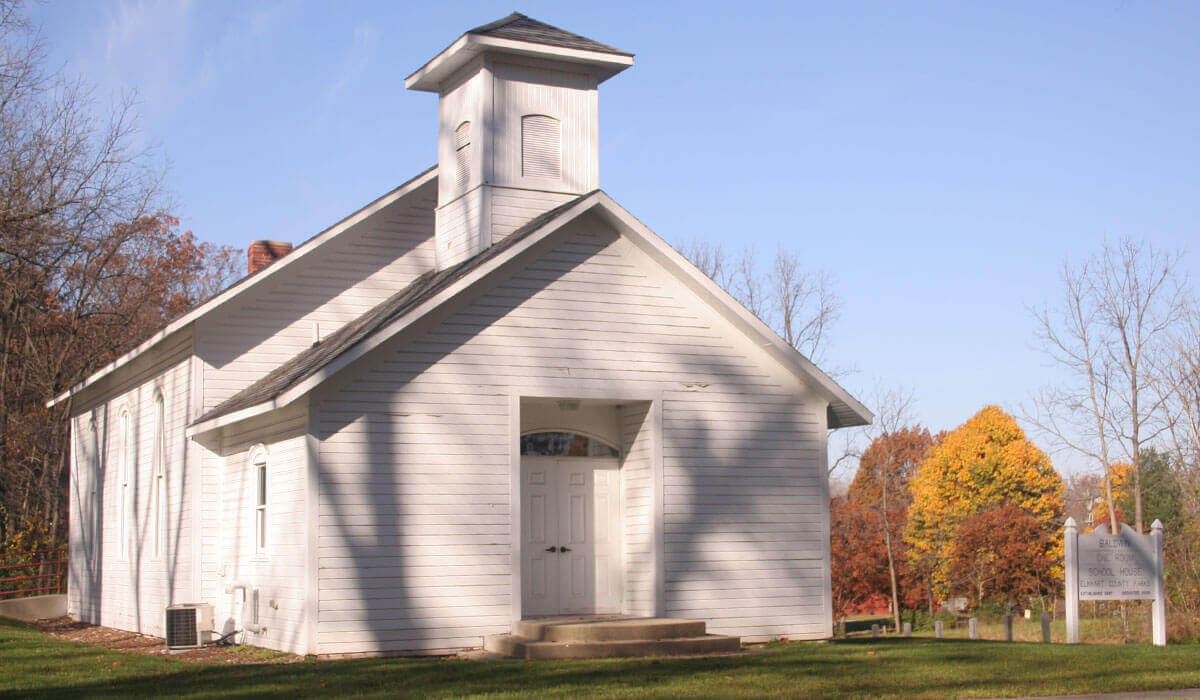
x=551, y=549
x=564, y=549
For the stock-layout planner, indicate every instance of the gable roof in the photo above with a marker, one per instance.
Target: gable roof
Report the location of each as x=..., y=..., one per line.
x=308, y=369
x=519, y=27
x=248, y=282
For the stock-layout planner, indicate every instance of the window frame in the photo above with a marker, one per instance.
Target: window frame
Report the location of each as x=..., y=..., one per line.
x=125, y=468
x=592, y=437
x=259, y=462
x=158, y=477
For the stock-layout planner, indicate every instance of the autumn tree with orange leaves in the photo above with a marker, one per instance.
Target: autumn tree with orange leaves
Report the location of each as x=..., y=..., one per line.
x=858, y=564
x=983, y=464
x=881, y=487
x=1003, y=553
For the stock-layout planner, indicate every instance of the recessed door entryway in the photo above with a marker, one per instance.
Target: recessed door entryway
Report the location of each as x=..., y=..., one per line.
x=571, y=532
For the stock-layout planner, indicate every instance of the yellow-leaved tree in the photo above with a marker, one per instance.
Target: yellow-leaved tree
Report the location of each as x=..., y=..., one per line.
x=1122, y=493
x=985, y=463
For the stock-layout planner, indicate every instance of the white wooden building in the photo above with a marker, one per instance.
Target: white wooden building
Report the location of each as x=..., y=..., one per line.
x=488, y=395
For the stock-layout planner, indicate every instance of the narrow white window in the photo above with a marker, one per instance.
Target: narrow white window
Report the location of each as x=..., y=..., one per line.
x=258, y=467
x=462, y=155
x=124, y=492
x=541, y=146
x=158, y=484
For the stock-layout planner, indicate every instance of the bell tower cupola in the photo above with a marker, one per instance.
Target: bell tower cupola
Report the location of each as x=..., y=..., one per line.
x=518, y=127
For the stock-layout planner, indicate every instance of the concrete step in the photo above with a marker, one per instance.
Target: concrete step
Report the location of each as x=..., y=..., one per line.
x=631, y=629
x=526, y=648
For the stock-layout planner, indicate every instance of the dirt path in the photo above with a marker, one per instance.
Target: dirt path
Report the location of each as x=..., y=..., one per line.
x=118, y=640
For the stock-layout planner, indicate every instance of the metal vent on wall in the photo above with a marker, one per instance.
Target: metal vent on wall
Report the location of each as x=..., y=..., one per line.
x=541, y=146
x=188, y=625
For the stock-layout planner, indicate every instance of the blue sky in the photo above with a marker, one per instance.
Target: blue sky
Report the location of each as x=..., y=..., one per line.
x=939, y=159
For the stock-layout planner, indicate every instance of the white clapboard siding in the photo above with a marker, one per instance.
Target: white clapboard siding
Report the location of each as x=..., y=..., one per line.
x=131, y=591
x=278, y=573
x=596, y=313
x=568, y=98
x=363, y=266
x=637, y=483
x=460, y=229
x=512, y=208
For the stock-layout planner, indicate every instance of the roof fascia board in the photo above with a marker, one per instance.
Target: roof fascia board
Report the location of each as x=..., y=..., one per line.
x=249, y=282
x=700, y=282
x=231, y=418
x=430, y=76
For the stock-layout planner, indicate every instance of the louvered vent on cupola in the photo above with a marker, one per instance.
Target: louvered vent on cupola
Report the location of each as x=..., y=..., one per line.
x=541, y=146
x=462, y=155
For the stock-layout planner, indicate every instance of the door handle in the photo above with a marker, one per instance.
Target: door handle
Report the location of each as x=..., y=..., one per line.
x=564, y=549
x=551, y=549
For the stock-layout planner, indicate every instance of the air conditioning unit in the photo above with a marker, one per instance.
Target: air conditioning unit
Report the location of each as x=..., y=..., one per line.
x=189, y=625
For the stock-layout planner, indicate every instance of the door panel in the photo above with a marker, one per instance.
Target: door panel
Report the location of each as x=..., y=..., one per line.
x=571, y=502
x=579, y=562
x=540, y=531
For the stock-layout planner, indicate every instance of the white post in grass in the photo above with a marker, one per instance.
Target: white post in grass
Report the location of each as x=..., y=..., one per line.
x=1072, y=567
x=1158, y=610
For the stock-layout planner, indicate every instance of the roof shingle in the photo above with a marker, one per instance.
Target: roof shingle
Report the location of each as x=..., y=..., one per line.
x=519, y=27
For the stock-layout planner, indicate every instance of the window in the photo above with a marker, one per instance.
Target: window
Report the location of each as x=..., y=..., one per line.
x=462, y=155
x=563, y=444
x=541, y=146
x=158, y=483
x=258, y=466
x=127, y=457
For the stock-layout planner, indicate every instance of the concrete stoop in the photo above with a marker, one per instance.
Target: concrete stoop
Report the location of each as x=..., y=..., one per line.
x=595, y=637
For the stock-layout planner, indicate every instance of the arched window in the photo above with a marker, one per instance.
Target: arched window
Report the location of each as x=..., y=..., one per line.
x=462, y=155
x=541, y=146
x=158, y=481
x=128, y=456
x=564, y=444
x=258, y=468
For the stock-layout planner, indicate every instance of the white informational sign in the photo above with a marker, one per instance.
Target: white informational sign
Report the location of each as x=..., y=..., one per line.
x=1125, y=565
x=1116, y=567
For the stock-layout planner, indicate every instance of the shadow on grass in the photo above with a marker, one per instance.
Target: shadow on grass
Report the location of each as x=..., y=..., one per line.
x=860, y=668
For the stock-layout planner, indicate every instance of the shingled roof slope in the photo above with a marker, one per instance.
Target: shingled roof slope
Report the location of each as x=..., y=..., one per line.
x=308, y=362
x=519, y=27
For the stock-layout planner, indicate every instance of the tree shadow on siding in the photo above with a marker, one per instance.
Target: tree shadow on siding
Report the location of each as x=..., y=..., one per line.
x=389, y=432
x=748, y=532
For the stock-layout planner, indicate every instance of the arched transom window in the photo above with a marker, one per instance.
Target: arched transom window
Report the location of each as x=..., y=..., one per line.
x=565, y=444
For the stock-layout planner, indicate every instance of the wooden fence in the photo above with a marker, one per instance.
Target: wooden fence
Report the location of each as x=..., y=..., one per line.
x=36, y=572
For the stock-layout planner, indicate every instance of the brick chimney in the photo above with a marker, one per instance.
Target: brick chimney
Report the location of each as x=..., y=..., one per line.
x=263, y=253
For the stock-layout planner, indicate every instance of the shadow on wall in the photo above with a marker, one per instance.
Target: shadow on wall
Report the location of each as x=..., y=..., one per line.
x=731, y=484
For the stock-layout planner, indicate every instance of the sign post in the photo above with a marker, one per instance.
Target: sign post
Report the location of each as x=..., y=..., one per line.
x=1127, y=565
x=1158, y=611
x=1072, y=551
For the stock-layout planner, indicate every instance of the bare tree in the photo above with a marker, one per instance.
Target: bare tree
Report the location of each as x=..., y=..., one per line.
x=1179, y=389
x=1116, y=316
x=893, y=411
x=797, y=303
x=89, y=260
x=804, y=303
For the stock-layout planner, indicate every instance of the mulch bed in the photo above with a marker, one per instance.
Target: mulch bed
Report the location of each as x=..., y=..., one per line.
x=119, y=640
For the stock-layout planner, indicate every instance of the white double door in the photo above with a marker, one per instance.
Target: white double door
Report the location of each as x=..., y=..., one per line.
x=571, y=532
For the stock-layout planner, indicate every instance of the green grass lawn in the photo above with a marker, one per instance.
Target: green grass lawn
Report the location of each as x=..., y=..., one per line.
x=34, y=664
